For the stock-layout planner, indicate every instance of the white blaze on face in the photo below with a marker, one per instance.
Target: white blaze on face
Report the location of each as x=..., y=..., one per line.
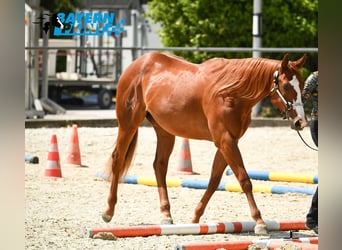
x=298, y=105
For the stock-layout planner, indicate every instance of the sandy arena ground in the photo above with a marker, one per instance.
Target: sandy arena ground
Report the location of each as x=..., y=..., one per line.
x=58, y=210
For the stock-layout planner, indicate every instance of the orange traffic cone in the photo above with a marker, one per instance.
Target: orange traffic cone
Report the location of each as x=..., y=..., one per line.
x=73, y=152
x=185, y=164
x=53, y=168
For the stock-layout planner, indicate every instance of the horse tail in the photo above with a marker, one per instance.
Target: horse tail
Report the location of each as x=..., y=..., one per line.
x=112, y=165
x=129, y=154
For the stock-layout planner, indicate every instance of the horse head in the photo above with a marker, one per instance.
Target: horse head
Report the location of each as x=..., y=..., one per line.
x=286, y=91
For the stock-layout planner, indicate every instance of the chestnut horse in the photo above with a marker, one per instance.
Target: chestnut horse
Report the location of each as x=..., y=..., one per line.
x=209, y=101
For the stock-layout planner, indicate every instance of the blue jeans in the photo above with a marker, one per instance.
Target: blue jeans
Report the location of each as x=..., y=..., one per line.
x=314, y=130
x=312, y=216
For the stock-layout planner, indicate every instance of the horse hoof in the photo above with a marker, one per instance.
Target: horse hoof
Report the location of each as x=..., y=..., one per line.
x=167, y=221
x=106, y=218
x=260, y=230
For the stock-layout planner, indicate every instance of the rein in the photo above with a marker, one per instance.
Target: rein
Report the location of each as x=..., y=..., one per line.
x=305, y=142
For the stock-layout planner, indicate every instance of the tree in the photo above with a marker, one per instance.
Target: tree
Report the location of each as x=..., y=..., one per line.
x=222, y=23
x=292, y=24
x=55, y=6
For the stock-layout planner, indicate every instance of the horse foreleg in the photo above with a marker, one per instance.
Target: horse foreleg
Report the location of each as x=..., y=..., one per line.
x=218, y=167
x=230, y=151
x=165, y=143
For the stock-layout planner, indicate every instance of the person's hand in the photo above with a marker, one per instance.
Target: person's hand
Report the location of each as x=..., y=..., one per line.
x=305, y=96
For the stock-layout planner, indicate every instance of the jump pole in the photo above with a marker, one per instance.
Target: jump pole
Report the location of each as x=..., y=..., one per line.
x=195, y=228
x=223, y=186
x=303, y=243
x=280, y=176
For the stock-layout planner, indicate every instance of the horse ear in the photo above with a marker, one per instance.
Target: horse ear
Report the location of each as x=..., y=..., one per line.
x=300, y=62
x=285, y=61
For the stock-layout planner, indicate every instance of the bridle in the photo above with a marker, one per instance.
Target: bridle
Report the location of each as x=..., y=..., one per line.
x=288, y=105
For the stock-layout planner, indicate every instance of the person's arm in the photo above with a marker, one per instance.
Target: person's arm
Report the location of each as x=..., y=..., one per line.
x=310, y=85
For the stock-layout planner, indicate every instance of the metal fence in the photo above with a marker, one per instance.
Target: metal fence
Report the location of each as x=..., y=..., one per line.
x=204, y=49
x=143, y=50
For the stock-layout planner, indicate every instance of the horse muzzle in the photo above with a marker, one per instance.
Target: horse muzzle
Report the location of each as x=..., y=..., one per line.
x=298, y=123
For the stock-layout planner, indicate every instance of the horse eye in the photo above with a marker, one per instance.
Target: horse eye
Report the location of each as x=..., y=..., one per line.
x=286, y=86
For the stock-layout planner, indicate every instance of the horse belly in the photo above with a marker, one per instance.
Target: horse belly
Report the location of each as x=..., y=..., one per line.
x=181, y=122
x=183, y=127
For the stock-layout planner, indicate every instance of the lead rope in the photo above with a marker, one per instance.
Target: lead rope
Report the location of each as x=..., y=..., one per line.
x=305, y=142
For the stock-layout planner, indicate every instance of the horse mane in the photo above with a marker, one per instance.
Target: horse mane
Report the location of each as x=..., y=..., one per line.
x=248, y=78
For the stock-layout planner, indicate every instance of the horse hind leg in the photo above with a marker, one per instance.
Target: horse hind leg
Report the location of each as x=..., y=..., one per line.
x=122, y=156
x=165, y=144
x=130, y=111
x=120, y=161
